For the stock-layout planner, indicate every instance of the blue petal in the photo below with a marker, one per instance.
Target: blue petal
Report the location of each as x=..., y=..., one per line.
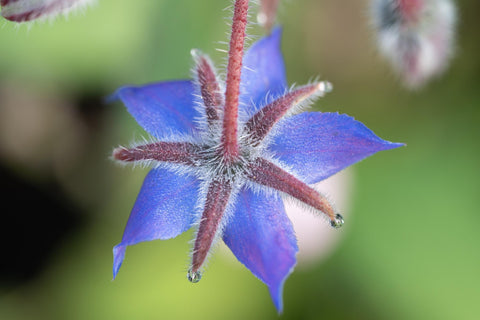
x=164, y=209
x=161, y=108
x=317, y=145
x=263, y=72
x=261, y=236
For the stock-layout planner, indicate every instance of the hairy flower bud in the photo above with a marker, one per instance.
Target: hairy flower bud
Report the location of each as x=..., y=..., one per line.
x=416, y=36
x=268, y=12
x=28, y=10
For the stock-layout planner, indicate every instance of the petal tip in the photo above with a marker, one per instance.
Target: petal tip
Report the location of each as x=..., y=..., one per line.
x=111, y=98
x=276, y=292
x=392, y=145
x=118, y=256
x=398, y=144
x=277, y=32
x=274, y=38
x=276, y=289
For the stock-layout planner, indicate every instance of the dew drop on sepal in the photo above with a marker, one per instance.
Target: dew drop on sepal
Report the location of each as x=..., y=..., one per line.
x=325, y=86
x=194, y=277
x=337, y=222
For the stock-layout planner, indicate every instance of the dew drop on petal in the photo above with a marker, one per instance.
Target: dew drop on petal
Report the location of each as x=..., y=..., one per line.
x=337, y=222
x=194, y=277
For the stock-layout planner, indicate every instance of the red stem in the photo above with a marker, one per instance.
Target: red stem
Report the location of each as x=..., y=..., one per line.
x=234, y=70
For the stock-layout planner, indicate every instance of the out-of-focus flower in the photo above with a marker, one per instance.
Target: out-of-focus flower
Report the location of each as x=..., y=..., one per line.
x=416, y=36
x=28, y=10
x=268, y=12
x=221, y=159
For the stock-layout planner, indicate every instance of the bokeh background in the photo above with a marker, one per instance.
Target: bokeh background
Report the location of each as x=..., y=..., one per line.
x=410, y=246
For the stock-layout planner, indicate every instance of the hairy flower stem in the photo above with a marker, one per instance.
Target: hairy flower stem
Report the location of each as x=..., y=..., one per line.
x=270, y=175
x=232, y=91
x=215, y=205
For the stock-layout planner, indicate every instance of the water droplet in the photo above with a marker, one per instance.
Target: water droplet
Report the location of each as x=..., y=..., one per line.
x=325, y=86
x=194, y=277
x=195, y=53
x=337, y=222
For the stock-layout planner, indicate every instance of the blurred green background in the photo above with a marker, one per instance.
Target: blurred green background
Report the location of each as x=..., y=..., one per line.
x=409, y=250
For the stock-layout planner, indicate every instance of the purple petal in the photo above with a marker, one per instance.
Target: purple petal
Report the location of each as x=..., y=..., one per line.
x=161, y=108
x=263, y=72
x=261, y=236
x=164, y=209
x=27, y=10
x=318, y=145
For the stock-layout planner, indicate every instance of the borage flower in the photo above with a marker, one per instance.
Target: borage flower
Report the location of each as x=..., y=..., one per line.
x=222, y=159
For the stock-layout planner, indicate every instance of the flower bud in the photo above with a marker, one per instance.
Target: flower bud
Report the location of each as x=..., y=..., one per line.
x=267, y=14
x=416, y=36
x=28, y=10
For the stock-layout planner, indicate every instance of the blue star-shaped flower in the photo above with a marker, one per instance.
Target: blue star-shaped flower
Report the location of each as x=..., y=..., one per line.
x=232, y=190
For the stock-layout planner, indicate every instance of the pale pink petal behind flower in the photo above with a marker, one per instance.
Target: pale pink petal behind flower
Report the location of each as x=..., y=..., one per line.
x=316, y=238
x=28, y=10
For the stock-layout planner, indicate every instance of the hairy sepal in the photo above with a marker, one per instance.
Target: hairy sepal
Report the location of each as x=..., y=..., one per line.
x=226, y=217
x=209, y=90
x=261, y=124
x=178, y=168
